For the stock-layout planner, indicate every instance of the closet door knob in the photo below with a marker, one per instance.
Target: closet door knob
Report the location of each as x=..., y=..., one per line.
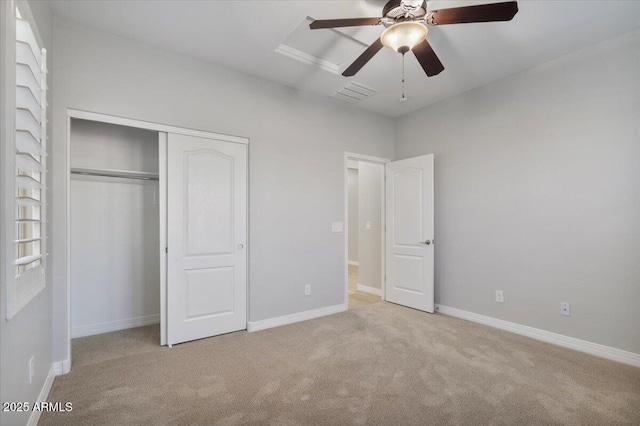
x=240, y=246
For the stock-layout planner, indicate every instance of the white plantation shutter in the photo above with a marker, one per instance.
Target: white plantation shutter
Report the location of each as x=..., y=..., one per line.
x=30, y=164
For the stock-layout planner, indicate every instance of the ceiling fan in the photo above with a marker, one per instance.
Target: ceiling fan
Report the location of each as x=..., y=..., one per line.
x=406, y=23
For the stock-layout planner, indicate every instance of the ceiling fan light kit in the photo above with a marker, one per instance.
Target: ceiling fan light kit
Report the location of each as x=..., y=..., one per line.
x=406, y=23
x=404, y=36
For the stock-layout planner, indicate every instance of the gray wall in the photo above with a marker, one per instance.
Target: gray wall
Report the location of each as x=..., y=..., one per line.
x=370, y=177
x=352, y=198
x=296, y=154
x=29, y=332
x=537, y=192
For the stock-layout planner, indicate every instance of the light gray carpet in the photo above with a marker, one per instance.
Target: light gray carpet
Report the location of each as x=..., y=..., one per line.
x=377, y=364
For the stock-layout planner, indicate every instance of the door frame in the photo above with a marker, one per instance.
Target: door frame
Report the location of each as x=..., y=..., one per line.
x=163, y=130
x=352, y=156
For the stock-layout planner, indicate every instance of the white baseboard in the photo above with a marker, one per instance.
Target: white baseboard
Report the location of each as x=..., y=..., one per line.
x=596, y=349
x=370, y=290
x=61, y=367
x=354, y=263
x=293, y=318
x=107, y=327
x=42, y=397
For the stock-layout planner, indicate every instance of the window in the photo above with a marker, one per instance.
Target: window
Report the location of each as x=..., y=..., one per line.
x=30, y=168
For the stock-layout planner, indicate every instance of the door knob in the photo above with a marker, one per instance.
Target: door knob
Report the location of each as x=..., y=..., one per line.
x=427, y=242
x=240, y=246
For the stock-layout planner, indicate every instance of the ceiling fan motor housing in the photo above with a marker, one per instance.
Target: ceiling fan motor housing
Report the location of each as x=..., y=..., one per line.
x=395, y=10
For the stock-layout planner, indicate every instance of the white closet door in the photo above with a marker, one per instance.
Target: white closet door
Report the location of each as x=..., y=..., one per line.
x=207, y=237
x=410, y=232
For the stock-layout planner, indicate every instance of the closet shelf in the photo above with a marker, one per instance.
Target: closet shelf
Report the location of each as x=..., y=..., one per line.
x=125, y=174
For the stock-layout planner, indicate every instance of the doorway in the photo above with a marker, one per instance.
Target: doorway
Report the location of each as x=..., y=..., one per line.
x=365, y=229
x=403, y=194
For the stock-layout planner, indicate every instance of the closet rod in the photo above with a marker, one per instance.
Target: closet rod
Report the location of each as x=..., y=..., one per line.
x=115, y=173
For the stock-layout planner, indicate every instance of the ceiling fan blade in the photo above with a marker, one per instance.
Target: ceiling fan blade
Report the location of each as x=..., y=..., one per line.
x=479, y=13
x=335, y=23
x=428, y=59
x=363, y=59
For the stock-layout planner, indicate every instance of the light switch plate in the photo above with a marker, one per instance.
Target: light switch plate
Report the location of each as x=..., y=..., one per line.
x=336, y=227
x=368, y=226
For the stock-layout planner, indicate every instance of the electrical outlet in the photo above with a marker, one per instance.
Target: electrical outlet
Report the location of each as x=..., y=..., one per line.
x=307, y=289
x=368, y=225
x=565, y=309
x=31, y=370
x=499, y=296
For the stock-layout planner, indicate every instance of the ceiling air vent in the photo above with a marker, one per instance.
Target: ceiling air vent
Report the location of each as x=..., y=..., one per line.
x=353, y=93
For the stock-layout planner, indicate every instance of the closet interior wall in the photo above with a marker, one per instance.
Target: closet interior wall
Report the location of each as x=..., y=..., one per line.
x=115, y=266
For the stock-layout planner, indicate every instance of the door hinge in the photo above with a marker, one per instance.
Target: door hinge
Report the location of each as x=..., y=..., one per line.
x=166, y=250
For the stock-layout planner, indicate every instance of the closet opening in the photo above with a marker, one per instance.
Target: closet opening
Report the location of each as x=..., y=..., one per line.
x=114, y=235
x=157, y=232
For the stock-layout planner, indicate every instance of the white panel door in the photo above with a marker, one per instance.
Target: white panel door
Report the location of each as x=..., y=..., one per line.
x=206, y=238
x=409, y=236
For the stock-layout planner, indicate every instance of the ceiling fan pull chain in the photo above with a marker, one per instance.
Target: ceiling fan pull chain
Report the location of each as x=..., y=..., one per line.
x=403, y=97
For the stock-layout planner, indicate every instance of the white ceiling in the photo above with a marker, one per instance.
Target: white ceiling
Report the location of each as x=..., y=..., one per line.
x=244, y=35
